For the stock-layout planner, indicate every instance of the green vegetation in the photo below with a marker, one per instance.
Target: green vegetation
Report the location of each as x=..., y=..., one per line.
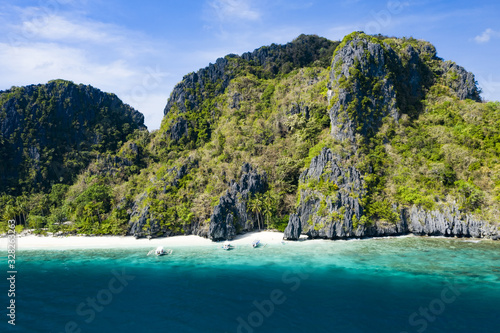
x=273, y=115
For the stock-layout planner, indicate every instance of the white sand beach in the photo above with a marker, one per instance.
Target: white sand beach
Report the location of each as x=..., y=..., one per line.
x=33, y=242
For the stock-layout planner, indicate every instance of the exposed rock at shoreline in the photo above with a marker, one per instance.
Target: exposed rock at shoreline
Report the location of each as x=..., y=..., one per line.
x=293, y=229
x=447, y=221
x=230, y=216
x=330, y=197
x=363, y=91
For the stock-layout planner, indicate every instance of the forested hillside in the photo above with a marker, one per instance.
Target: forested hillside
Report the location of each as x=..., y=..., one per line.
x=370, y=136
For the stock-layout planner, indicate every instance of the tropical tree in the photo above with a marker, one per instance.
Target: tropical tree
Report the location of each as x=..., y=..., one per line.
x=254, y=205
x=268, y=205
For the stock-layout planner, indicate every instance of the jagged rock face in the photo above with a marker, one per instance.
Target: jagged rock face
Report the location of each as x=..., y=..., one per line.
x=175, y=174
x=293, y=229
x=213, y=80
x=179, y=129
x=332, y=211
x=230, y=215
x=299, y=109
x=369, y=81
x=363, y=94
x=187, y=92
x=448, y=221
x=461, y=81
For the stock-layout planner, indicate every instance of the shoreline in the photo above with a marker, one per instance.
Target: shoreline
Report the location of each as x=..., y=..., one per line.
x=35, y=242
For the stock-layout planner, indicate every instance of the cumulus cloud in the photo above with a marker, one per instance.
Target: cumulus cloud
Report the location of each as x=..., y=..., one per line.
x=486, y=35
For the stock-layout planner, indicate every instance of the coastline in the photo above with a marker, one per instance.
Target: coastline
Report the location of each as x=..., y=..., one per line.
x=33, y=242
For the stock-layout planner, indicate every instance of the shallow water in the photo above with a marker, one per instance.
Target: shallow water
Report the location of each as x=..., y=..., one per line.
x=408, y=284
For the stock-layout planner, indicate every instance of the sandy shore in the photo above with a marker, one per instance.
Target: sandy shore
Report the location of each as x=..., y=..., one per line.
x=103, y=242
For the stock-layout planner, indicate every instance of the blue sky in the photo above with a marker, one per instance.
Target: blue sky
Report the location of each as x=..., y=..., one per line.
x=140, y=49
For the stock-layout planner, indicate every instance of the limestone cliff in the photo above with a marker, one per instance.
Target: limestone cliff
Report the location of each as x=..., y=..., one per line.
x=49, y=132
x=372, y=79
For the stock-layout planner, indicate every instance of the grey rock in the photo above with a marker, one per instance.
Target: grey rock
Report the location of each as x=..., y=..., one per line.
x=341, y=208
x=303, y=51
x=461, y=81
x=299, y=109
x=337, y=215
x=236, y=100
x=370, y=80
x=447, y=221
x=293, y=229
x=372, y=62
x=213, y=80
x=230, y=215
x=178, y=129
x=188, y=94
x=139, y=216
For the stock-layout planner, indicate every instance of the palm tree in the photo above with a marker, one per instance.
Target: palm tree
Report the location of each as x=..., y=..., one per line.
x=255, y=206
x=22, y=208
x=268, y=206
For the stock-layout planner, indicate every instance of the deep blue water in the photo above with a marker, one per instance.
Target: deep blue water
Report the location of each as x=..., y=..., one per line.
x=381, y=285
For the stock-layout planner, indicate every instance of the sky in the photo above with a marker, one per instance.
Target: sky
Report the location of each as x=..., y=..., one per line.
x=139, y=50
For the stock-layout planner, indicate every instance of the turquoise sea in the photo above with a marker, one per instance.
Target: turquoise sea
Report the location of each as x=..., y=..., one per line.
x=409, y=284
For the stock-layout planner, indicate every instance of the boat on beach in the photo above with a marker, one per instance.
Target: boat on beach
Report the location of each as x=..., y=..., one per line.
x=227, y=246
x=160, y=251
x=256, y=243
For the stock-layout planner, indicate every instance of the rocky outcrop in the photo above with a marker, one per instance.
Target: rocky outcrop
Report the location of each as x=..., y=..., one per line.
x=357, y=61
x=447, y=221
x=364, y=88
x=188, y=94
x=212, y=81
x=330, y=207
x=175, y=174
x=178, y=129
x=373, y=78
x=301, y=108
x=47, y=131
x=293, y=229
x=230, y=216
x=330, y=199
x=461, y=81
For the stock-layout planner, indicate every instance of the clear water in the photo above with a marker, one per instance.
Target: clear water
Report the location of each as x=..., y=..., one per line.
x=381, y=285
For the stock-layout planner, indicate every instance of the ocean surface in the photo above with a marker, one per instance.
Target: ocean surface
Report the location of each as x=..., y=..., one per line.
x=407, y=284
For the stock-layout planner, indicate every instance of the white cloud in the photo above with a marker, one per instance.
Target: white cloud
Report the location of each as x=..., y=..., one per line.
x=486, y=35
x=42, y=46
x=57, y=28
x=233, y=10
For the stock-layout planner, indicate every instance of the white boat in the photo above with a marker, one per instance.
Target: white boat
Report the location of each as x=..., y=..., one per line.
x=256, y=243
x=227, y=246
x=160, y=251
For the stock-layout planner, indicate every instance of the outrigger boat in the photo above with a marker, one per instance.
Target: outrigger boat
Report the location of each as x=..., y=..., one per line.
x=160, y=251
x=227, y=246
x=256, y=243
